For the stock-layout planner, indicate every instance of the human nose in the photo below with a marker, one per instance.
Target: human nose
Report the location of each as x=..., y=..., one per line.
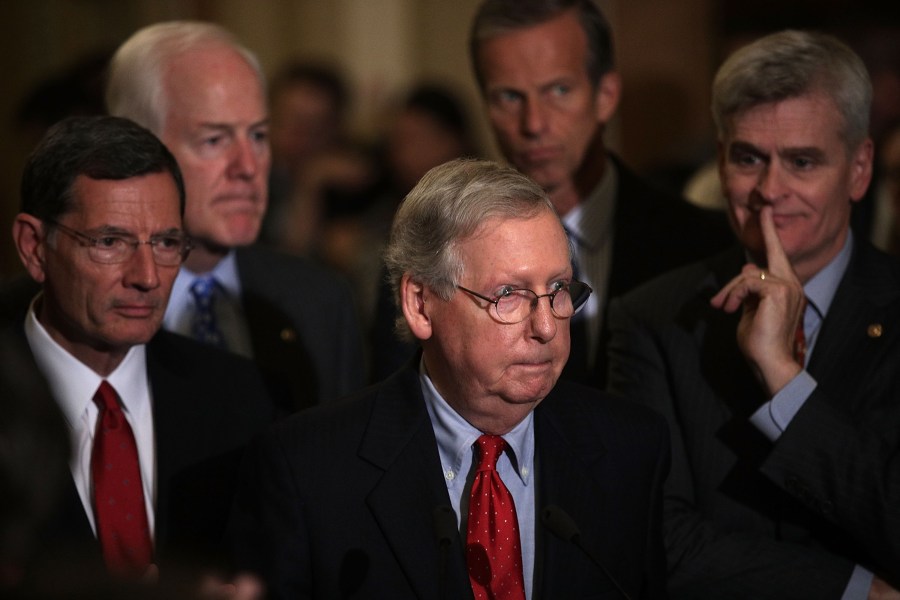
x=244, y=160
x=543, y=321
x=534, y=117
x=771, y=183
x=142, y=271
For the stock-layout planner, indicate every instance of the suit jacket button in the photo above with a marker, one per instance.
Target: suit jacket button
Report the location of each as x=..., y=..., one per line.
x=288, y=335
x=875, y=330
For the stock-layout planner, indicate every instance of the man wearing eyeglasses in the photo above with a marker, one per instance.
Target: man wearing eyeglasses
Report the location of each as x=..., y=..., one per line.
x=157, y=420
x=472, y=470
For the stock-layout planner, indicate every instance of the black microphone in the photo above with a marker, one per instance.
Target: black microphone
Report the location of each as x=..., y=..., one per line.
x=444, y=532
x=562, y=526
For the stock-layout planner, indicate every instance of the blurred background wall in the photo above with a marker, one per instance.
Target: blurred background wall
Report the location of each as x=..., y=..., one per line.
x=667, y=51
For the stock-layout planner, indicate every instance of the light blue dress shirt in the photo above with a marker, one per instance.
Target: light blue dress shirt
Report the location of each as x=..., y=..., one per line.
x=456, y=440
x=228, y=307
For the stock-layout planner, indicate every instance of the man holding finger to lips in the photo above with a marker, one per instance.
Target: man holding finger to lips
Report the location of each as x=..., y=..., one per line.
x=776, y=364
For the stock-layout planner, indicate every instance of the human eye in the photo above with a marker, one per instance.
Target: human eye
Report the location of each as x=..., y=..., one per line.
x=167, y=243
x=744, y=158
x=260, y=135
x=506, y=98
x=560, y=89
x=110, y=242
x=504, y=291
x=559, y=285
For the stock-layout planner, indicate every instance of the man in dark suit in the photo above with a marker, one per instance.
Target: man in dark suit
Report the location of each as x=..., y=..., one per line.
x=203, y=94
x=379, y=496
x=100, y=231
x=784, y=482
x=547, y=75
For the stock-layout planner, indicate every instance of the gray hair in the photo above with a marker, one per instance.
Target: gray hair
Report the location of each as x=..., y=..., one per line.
x=496, y=17
x=447, y=206
x=135, y=87
x=789, y=64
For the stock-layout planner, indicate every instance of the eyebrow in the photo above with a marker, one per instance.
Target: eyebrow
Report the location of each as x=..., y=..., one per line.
x=114, y=230
x=231, y=126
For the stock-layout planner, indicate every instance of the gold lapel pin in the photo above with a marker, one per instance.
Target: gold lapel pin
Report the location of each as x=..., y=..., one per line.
x=289, y=335
x=875, y=330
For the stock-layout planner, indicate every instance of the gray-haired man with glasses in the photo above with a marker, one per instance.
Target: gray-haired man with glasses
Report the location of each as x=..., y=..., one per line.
x=101, y=232
x=377, y=497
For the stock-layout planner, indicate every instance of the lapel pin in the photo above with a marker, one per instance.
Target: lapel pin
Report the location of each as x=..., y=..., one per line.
x=289, y=335
x=875, y=330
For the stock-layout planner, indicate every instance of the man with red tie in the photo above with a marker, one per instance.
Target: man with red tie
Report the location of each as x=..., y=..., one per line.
x=156, y=420
x=472, y=471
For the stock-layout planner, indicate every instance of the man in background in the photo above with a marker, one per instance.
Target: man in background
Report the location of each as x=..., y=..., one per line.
x=547, y=75
x=203, y=94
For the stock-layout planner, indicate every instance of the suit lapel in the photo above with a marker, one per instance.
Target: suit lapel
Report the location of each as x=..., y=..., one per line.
x=400, y=441
x=564, y=480
x=861, y=321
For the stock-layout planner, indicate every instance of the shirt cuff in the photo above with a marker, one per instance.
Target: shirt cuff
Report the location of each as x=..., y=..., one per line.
x=773, y=417
x=859, y=585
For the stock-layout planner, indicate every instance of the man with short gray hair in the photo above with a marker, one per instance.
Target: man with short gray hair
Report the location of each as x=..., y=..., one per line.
x=204, y=95
x=472, y=469
x=784, y=481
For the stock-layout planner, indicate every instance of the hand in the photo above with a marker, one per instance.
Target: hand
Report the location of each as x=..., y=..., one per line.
x=882, y=591
x=773, y=303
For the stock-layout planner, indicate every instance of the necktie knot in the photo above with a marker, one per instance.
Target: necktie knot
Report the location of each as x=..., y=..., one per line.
x=204, y=327
x=490, y=447
x=107, y=400
x=204, y=290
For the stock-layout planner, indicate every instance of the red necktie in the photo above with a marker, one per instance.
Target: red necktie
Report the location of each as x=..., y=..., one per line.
x=800, y=340
x=493, y=550
x=118, y=491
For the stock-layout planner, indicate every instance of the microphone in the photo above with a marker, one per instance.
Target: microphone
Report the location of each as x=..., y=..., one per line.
x=563, y=526
x=444, y=520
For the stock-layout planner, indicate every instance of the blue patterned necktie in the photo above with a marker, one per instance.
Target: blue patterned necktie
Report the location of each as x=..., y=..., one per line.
x=204, y=326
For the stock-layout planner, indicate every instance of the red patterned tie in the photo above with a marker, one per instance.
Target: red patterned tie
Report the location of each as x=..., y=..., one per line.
x=493, y=551
x=118, y=491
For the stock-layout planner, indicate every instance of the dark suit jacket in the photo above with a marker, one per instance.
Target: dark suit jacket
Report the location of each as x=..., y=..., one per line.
x=338, y=501
x=207, y=404
x=303, y=325
x=746, y=518
x=654, y=232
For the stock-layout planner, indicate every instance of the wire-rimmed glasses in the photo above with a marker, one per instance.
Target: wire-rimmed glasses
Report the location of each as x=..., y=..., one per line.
x=514, y=305
x=169, y=249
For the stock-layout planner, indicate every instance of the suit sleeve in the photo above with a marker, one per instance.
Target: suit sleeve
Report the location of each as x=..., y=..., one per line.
x=266, y=533
x=841, y=466
x=703, y=561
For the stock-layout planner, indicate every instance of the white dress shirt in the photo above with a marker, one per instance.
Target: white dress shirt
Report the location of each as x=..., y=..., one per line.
x=73, y=385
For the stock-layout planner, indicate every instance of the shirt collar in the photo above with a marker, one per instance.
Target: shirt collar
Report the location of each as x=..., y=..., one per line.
x=73, y=384
x=455, y=436
x=225, y=273
x=591, y=221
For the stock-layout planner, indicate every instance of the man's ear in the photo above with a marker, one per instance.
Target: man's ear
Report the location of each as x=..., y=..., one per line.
x=861, y=170
x=412, y=302
x=608, y=93
x=28, y=235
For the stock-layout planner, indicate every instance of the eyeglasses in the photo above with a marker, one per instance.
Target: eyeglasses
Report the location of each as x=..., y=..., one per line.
x=514, y=305
x=169, y=250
